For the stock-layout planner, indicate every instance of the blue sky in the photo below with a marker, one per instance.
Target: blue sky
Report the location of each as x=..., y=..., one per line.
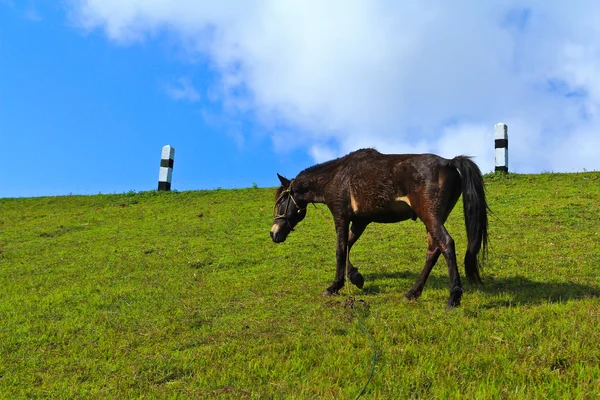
x=90, y=90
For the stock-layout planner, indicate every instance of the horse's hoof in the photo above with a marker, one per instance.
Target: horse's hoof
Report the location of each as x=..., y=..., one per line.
x=357, y=279
x=451, y=305
x=327, y=293
x=454, y=299
x=412, y=296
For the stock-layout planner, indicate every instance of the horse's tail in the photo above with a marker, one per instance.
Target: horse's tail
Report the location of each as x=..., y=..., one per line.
x=476, y=220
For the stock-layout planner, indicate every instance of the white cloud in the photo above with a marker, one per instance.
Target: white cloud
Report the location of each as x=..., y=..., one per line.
x=183, y=89
x=321, y=153
x=469, y=140
x=407, y=76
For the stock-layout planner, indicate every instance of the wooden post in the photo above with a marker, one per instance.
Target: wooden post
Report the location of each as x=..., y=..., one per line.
x=501, y=146
x=166, y=168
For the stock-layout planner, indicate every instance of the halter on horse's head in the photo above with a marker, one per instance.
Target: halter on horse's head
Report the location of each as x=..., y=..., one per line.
x=287, y=211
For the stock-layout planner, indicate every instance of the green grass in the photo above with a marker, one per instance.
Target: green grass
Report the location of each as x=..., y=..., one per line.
x=183, y=295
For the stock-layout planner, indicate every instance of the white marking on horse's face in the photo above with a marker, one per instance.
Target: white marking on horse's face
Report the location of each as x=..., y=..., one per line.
x=276, y=234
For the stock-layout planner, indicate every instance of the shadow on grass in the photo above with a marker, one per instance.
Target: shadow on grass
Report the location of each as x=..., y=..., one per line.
x=526, y=291
x=521, y=290
x=399, y=281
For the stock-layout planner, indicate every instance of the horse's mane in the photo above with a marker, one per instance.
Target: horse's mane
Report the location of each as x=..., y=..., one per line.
x=351, y=157
x=321, y=166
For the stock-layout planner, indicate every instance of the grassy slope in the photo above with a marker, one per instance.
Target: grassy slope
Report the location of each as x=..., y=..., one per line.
x=183, y=295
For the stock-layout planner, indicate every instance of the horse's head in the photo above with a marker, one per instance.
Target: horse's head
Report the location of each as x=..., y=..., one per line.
x=288, y=210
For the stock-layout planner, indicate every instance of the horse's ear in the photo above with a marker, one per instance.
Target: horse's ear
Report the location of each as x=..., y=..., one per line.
x=284, y=181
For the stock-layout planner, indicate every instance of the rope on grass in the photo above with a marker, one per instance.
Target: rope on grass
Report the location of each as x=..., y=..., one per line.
x=351, y=302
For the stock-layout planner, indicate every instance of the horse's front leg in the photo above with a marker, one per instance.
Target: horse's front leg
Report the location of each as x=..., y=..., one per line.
x=356, y=229
x=341, y=255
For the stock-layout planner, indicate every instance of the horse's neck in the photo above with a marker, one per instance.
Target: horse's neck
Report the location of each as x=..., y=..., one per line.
x=318, y=178
x=316, y=182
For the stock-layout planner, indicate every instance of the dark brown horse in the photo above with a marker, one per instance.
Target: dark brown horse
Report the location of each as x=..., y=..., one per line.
x=366, y=186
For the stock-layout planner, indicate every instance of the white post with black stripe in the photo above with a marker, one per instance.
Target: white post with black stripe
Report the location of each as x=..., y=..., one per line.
x=166, y=168
x=501, y=146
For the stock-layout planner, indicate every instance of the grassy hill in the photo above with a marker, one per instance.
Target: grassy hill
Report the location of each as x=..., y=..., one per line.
x=177, y=295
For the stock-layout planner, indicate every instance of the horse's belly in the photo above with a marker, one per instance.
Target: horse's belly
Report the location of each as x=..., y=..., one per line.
x=390, y=218
x=401, y=206
x=397, y=211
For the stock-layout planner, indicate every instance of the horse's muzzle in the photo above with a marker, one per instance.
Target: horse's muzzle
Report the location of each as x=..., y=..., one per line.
x=277, y=234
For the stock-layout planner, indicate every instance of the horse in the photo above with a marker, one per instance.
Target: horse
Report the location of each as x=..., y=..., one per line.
x=367, y=186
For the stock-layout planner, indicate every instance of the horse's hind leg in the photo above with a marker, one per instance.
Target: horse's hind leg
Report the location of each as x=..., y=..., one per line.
x=437, y=233
x=356, y=229
x=433, y=253
x=446, y=244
